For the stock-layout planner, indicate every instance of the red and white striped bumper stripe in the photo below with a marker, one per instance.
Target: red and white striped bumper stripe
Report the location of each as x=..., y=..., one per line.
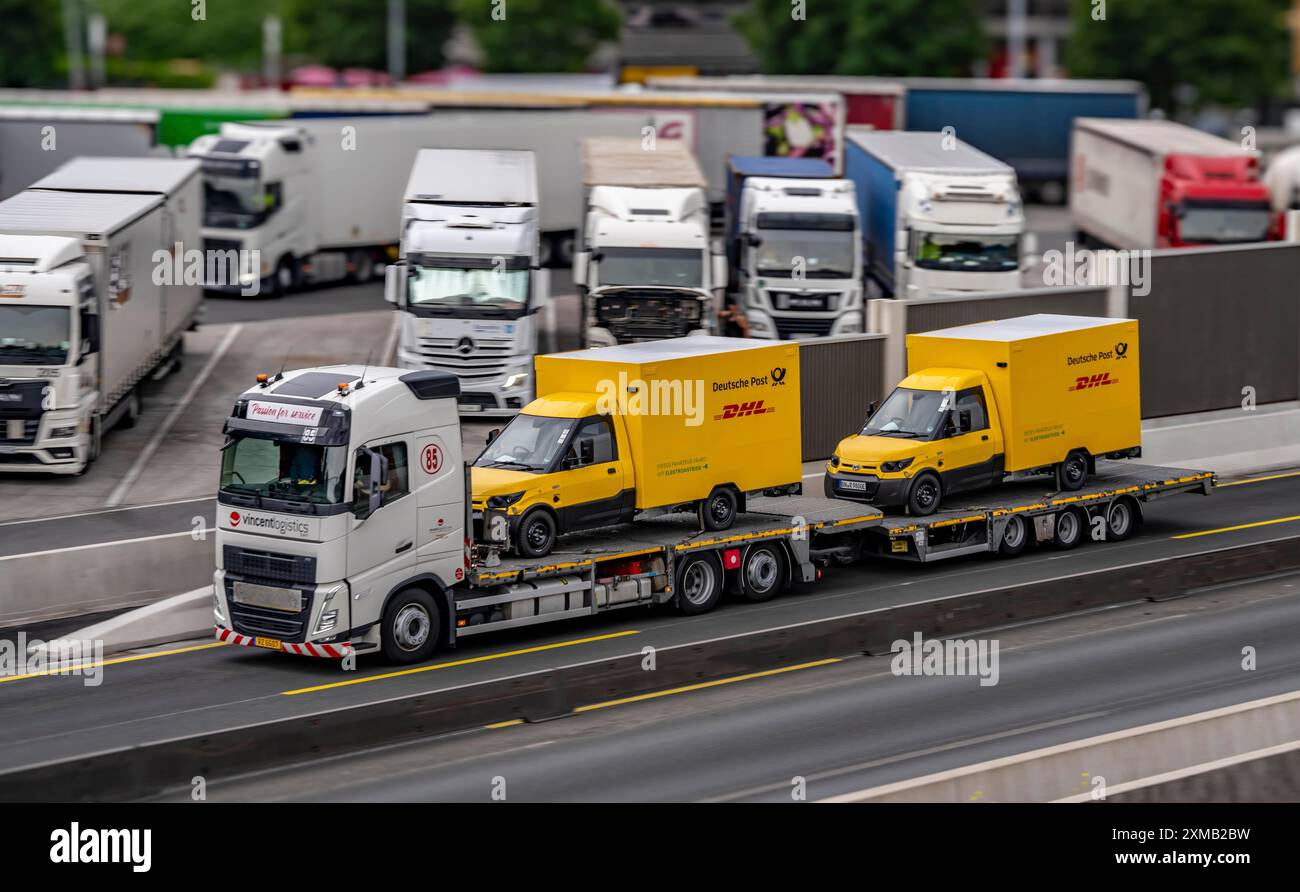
x=329, y=651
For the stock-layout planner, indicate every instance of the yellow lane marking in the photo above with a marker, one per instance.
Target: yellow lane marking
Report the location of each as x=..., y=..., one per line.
x=67, y=670
x=505, y=724
x=1240, y=526
x=1260, y=479
x=465, y=662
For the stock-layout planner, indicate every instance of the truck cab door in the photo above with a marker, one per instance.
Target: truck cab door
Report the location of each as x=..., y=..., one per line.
x=971, y=445
x=591, y=475
x=382, y=550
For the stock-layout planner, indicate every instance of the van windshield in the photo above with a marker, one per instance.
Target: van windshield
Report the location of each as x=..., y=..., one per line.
x=527, y=443
x=908, y=413
x=284, y=470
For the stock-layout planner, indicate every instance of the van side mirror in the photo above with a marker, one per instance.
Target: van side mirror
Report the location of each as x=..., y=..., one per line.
x=871, y=409
x=964, y=421
x=587, y=452
x=493, y=434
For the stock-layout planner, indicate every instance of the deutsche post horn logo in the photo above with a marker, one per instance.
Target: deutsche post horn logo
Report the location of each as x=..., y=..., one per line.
x=778, y=376
x=1121, y=350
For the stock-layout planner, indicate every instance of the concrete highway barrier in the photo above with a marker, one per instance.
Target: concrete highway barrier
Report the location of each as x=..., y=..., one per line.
x=150, y=768
x=1109, y=764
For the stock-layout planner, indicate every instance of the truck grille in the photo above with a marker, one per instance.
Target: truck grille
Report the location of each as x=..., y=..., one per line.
x=268, y=567
x=647, y=318
x=249, y=620
x=468, y=358
x=788, y=329
x=25, y=428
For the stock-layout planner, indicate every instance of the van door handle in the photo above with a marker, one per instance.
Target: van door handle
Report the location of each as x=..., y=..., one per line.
x=985, y=438
x=404, y=546
x=610, y=470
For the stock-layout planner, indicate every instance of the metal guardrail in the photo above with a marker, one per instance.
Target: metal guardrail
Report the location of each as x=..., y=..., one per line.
x=153, y=767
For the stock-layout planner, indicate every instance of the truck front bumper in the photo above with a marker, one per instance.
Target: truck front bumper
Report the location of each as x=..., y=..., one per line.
x=44, y=454
x=883, y=492
x=490, y=398
x=334, y=651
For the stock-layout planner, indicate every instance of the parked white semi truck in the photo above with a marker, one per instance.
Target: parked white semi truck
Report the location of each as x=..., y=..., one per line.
x=36, y=140
x=794, y=247
x=90, y=305
x=469, y=285
x=937, y=214
x=306, y=200
x=646, y=268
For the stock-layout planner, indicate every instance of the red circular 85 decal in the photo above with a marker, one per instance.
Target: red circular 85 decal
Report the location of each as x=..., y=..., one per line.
x=431, y=459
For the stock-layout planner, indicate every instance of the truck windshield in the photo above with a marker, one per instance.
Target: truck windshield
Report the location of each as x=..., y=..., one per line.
x=966, y=253
x=281, y=469
x=1210, y=222
x=823, y=253
x=671, y=267
x=34, y=335
x=235, y=202
x=527, y=443
x=908, y=413
x=448, y=286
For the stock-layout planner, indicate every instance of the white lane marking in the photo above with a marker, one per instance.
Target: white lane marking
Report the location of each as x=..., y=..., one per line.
x=390, y=343
x=14, y=557
x=124, y=485
x=7, y=523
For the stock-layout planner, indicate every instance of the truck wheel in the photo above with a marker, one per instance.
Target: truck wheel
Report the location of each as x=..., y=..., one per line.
x=535, y=533
x=1121, y=517
x=132, y=411
x=1069, y=530
x=718, y=511
x=699, y=584
x=1072, y=473
x=761, y=573
x=1015, y=536
x=409, y=630
x=925, y=495
x=286, y=276
x=363, y=267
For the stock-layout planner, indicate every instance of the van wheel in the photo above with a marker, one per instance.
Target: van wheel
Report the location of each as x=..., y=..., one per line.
x=1072, y=473
x=699, y=584
x=925, y=495
x=762, y=573
x=1121, y=517
x=718, y=511
x=535, y=533
x=1015, y=536
x=1069, y=530
x=410, y=627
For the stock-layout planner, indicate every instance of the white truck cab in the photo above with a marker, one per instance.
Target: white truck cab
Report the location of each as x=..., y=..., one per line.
x=470, y=286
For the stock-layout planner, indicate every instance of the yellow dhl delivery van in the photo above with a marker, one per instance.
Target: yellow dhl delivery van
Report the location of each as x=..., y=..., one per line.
x=686, y=423
x=1000, y=399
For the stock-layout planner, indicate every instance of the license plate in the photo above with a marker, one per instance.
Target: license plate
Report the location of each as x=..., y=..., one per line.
x=858, y=485
x=289, y=599
x=898, y=546
x=807, y=303
x=469, y=407
x=272, y=643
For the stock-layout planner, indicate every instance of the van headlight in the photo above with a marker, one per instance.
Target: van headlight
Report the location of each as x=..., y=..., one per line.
x=504, y=501
x=893, y=467
x=835, y=460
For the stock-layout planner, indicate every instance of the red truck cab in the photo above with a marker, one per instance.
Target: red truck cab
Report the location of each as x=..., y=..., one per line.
x=1212, y=201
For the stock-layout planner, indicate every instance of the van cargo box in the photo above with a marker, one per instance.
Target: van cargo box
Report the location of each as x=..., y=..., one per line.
x=1060, y=382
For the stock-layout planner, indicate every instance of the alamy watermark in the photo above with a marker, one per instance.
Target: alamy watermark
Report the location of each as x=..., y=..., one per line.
x=213, y=268
x=946, y=656
x=1075, y=267
x=64, y=656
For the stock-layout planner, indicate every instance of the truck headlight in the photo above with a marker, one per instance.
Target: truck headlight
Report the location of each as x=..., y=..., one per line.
x=59, y=433
x=515, y=380
x=504, y=501
x=328, y=620
x=891, y=467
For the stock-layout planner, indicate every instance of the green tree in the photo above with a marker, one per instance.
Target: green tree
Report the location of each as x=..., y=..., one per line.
x=539, y=35
x=33, y=51
x=228, y=34
x=942, y=38
x=354, y=33
x=1188, y=52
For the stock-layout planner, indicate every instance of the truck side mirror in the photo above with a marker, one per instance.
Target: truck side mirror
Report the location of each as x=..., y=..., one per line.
x=89, y=333
x=719, y=271
x=393, y=276
x=378, y=480
x=493, y=434
x=580, y=261
x=753, y=239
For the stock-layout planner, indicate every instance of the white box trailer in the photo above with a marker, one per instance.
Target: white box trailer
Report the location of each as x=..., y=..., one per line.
x=91, y=307
x=37, y=140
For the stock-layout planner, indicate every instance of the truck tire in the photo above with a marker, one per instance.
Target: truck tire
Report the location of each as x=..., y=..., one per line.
x=1069, y=530
x=1072, y=473
x=762, y=573
x=535, y=533
x=718, y=511
x=285, y=278
x=1121, y=518
x=409, y=629
x=363, y=267
x=925, y=495
x=699, y=584
x=1015, y=536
